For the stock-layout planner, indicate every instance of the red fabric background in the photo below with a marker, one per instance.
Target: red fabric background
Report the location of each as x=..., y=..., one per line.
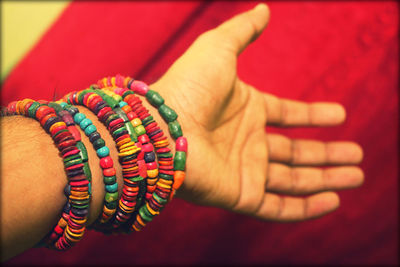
x=311, y=51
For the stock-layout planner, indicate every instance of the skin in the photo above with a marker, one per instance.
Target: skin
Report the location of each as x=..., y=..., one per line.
x=233, y=163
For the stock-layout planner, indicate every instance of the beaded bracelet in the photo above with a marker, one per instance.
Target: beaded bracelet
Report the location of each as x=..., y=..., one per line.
x=71, y=227
x=133, y=183
x=106, y=162
x=162, y=192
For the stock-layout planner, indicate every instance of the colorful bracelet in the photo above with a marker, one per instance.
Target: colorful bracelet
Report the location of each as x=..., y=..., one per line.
x=163, y=187
x=71, y=227
x=133, y=182
x=106, y=162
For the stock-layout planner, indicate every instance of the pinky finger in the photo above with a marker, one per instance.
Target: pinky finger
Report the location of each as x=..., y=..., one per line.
x=290, y=209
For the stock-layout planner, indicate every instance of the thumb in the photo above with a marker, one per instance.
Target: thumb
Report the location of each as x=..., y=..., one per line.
x=242, y=29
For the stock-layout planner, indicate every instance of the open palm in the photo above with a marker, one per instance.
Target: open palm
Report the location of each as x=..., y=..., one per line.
x=233, y=163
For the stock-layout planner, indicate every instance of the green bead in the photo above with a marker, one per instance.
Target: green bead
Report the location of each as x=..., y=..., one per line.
x=136, y=178
x=131, y=131
x=145, y=214
x=159, y=199
x=121, y=114
x=129, y=92
x=81, y=96
x=98, y=143
x=146, y=121
x=167, y=113
x=110, y=197
x=73, y=162
x=111, y=118
x=56, y=106
x=110, y=101
x=139, y=130
x=118, y=131
x=179, y=161
x=73, y=157
x=86, y=171
x=32, y=109
x=175, y=129
x=109, y=179
x=154, y=98
x=165, y=155
x=82, y=148
x=111, y=205
x=166, y=176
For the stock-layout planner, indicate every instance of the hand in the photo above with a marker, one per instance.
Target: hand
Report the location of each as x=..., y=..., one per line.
x=233, y=163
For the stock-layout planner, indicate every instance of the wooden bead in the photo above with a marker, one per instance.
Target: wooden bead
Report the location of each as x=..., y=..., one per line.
x=154, y=98
x=167, y=113
x=175, y=129
x=180, y=160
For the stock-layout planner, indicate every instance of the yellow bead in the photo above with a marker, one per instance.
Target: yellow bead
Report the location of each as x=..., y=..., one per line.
x=128, y=144
x=152, y=173
x=113, y=81
x=162, y=143
x=166, y=182
x=153, y=212
x=163, y=185
x=136, y=122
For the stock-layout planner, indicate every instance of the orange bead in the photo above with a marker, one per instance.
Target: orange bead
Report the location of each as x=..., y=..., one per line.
x=123, y=141
x=126, y=109
x=179, y=177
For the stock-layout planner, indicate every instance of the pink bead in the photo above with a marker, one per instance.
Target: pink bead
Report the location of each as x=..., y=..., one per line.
x=58, y=230
x=140, y=155
x=119, y=80
x=12, y=106
x=163, y=150
x=106, y=162
x=149, y=196
x=143, y=138
x=139, y=88
x=142, y=168
x=147, y=147
x=120, y=91
x=70, y=153
x=75, y=133
x=181, y=144
x=151, y=165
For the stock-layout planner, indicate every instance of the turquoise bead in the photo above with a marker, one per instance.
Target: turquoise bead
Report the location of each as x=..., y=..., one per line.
x=167, y=113
x=154, y=98
x=108, y=180
x=103, y=152
x=90, y=188
x=139, y=130
x=79, y=117
x=175, y=129
x=179, y=161
x=122, y=103
x=90, y=129
x=63, y=104
x=112, y=188
x=85, y=123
